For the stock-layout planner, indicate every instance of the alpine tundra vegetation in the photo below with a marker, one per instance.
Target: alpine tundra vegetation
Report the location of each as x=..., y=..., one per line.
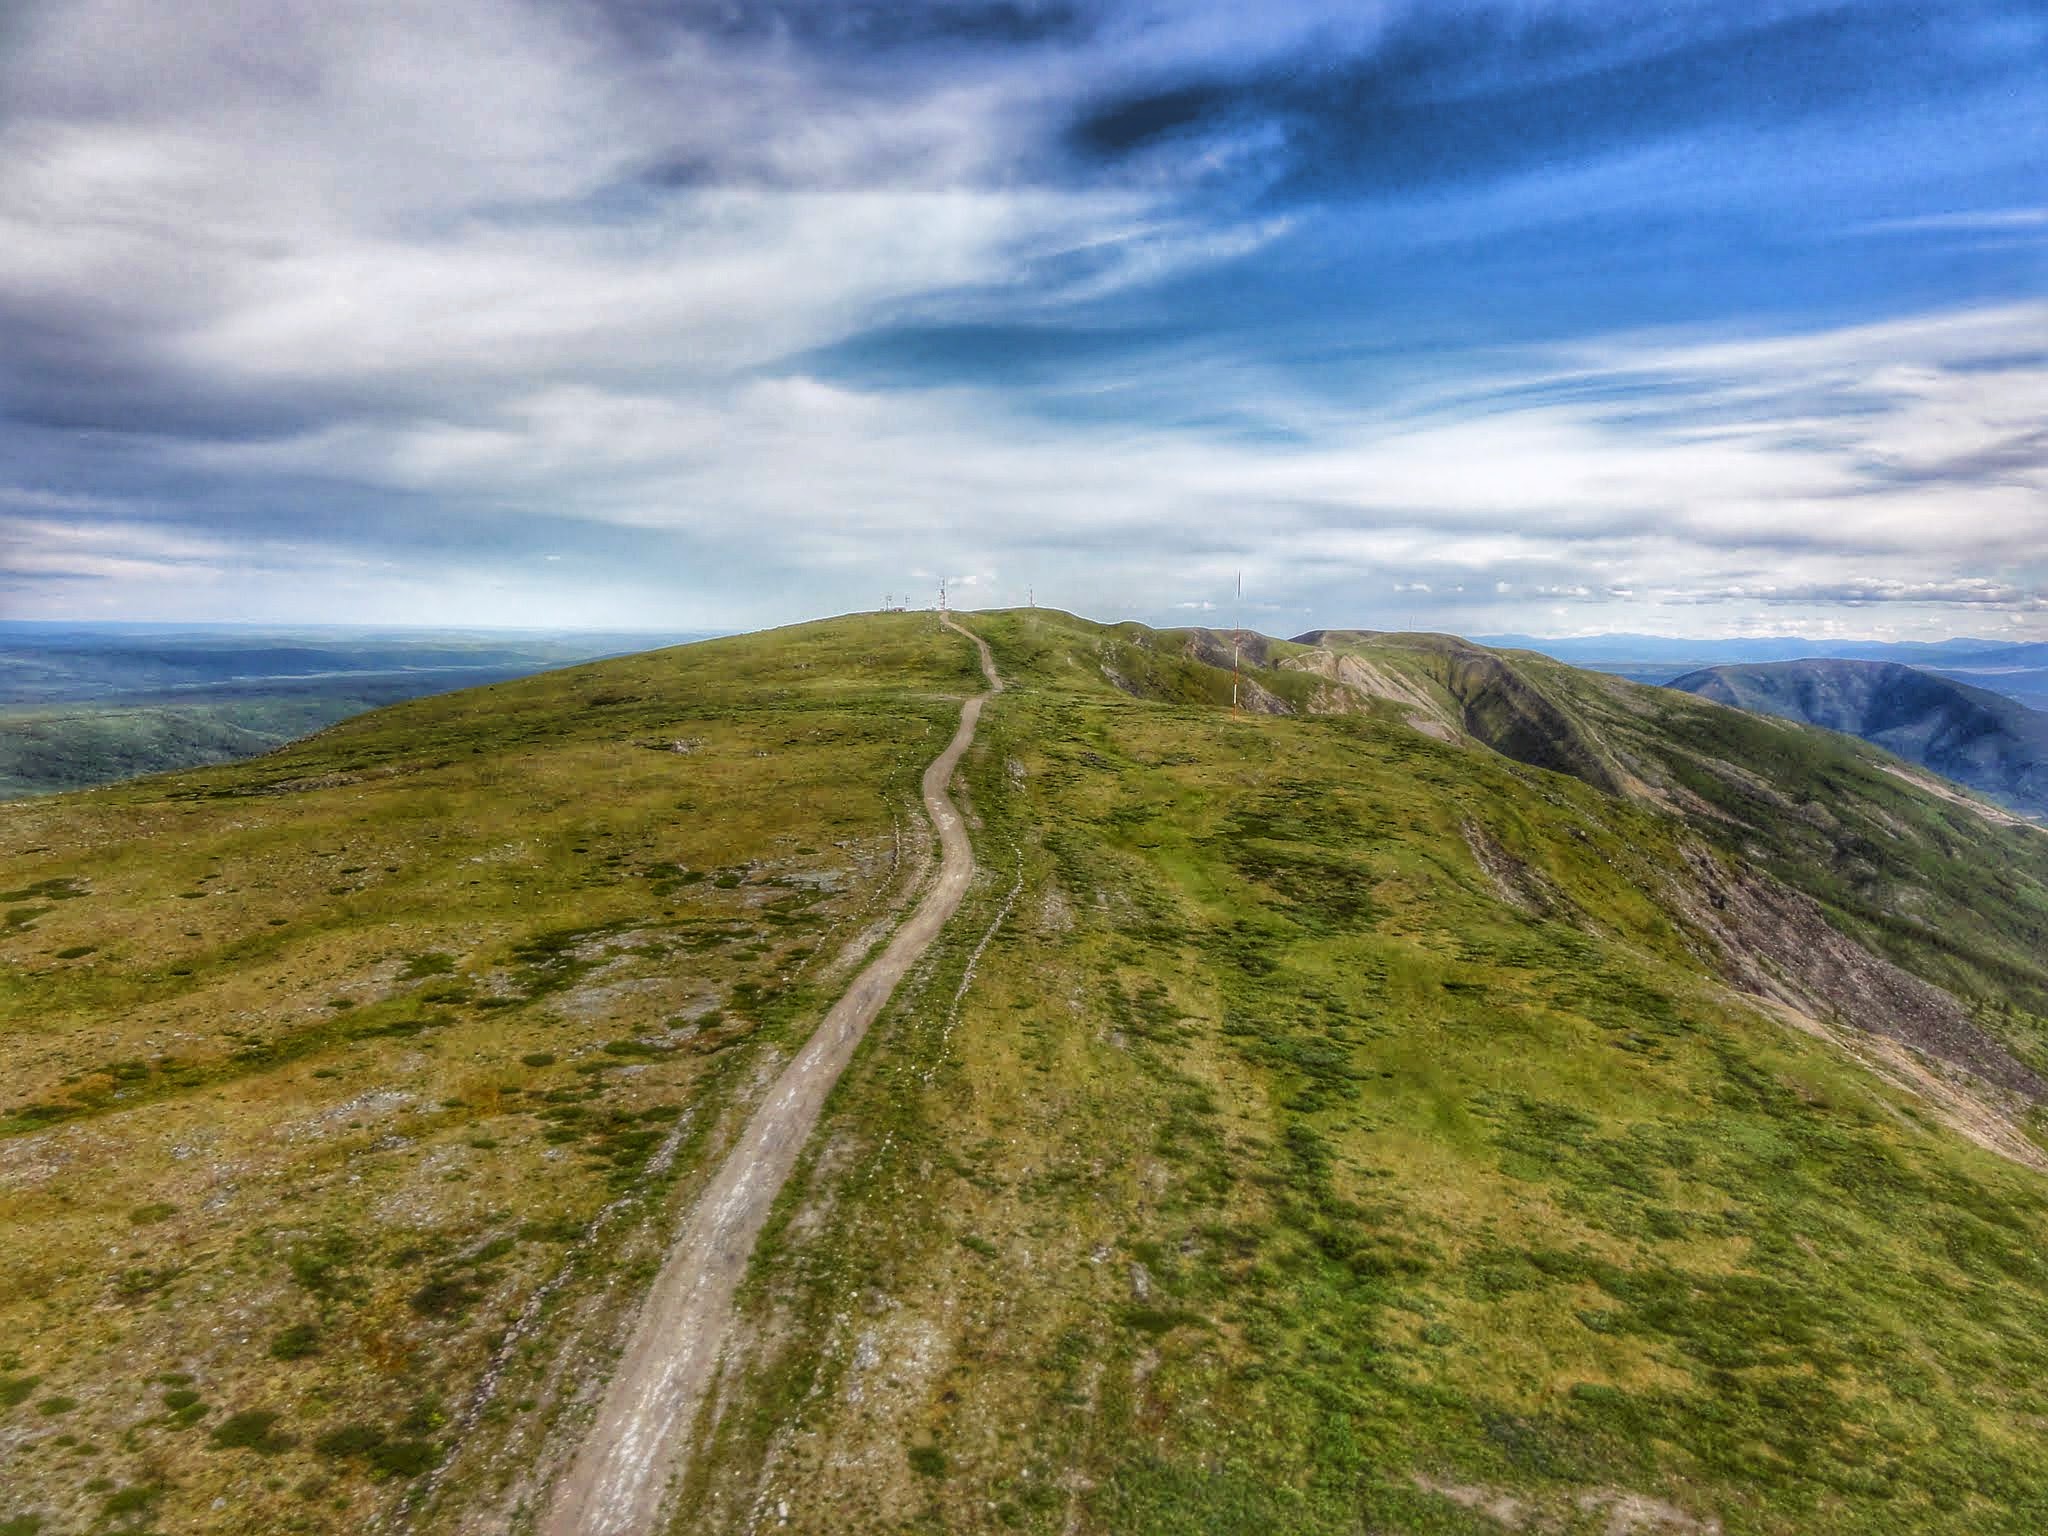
x=1447, y=1092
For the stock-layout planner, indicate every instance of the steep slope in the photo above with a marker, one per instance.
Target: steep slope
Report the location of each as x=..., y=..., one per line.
x=1494, y=701
x=1331, y=1117
x=1902, y=866
x=1977, y=738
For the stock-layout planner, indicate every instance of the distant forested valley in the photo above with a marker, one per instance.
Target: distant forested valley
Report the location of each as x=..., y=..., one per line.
x=91, y=704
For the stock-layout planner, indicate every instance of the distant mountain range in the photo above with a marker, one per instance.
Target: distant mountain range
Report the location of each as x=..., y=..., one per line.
x=2017, y=669
x=1587, y=649
x=1976, y=737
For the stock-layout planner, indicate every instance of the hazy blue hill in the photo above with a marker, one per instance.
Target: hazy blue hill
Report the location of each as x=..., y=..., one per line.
x=1594, y=650
x=2017, y=670
x=1976, y=737
x=2028, y=687
x=75, y=747
x=1995, y=658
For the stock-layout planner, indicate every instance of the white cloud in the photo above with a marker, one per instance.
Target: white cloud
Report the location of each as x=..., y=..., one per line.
x=1967, y=221
x=488, y=264
x=1718, y=500
x=123, y=552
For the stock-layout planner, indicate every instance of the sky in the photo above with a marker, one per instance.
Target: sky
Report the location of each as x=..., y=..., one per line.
x=1540, y=316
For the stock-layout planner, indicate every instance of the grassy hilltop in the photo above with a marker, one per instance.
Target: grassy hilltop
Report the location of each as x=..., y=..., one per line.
x=1454, y=1094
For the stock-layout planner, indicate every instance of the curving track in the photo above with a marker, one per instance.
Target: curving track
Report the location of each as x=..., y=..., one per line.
x=616, y=1483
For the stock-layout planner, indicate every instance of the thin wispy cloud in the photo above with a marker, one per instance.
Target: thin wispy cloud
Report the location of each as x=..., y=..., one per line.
x=1482, y=316
x=1973, y=221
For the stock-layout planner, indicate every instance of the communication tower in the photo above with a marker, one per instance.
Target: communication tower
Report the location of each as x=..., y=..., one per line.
x=1236, y=641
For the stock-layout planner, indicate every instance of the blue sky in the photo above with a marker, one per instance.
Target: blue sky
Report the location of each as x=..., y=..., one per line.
x=1542, y=317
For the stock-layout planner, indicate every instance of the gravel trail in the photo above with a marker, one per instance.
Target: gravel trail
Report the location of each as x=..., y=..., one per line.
x=616, y=1483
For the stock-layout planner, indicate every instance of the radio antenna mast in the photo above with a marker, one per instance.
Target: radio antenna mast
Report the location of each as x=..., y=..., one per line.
x=942, y=602
x=1236, y=641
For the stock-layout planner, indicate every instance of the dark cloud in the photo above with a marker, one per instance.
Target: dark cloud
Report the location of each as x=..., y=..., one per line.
x=1040, y=356
x=1454, y=94
x=853, y=27
x=2018, y=457
x=1126, y=123
x=75, y=377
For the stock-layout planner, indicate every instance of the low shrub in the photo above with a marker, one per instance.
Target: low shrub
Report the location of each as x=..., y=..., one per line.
x=253, y=1429
x=295, y=1342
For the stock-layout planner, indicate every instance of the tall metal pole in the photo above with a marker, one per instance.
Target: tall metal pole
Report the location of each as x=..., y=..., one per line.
x=1236, y=641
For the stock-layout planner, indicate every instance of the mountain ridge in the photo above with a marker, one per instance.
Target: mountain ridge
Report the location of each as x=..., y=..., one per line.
x=1976, y=737
x=1312, y=1108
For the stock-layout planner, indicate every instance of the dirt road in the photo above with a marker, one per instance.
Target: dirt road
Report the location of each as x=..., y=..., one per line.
x=617, y=1481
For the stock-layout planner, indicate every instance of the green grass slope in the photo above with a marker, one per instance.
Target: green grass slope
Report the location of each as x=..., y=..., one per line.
x=1452, y=1094
x=1322, y=1126
x=1947, y=886
x=336, y=1083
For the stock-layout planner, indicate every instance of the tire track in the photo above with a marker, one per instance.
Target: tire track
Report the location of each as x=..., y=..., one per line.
x=620, y=1475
